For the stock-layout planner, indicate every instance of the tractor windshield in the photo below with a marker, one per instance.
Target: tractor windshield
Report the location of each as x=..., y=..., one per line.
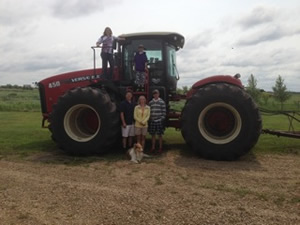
x=171, y=62
x=153, y=49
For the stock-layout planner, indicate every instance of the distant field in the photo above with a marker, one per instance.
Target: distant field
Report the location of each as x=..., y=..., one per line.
x=292, y=104
x=23, y=100
x=19, y=100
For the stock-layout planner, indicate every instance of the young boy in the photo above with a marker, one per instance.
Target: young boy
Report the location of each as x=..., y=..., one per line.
x=157, y=117
x=140, y=63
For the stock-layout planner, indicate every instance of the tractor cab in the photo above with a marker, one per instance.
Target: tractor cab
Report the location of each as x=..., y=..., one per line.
x=160, y=48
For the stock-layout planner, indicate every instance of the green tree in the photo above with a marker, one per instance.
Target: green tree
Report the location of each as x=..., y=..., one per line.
x=252, y=89
x=280, y=91
x=265, y=97
x=183, y=90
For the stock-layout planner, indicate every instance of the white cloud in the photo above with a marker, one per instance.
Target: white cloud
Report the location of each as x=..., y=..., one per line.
x=77, y=8
x=263, y=41
x=43, y=38
x=19, y=12
x=258, y=16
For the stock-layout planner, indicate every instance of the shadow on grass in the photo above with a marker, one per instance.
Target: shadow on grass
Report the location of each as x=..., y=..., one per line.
x=51, y=154
x=190, y=159
x=47, y=152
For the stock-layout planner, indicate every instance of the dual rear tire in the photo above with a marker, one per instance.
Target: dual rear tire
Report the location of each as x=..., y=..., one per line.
x=221, y=122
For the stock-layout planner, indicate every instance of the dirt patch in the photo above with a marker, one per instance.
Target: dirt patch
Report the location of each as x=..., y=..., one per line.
x=171, y=189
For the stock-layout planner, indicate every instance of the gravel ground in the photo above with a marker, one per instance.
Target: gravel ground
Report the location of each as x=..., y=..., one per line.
x=171, y=189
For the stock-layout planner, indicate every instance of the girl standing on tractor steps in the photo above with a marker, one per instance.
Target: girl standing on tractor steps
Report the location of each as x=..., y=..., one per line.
x=107, y=40
x=140, y=66
x=141, y=117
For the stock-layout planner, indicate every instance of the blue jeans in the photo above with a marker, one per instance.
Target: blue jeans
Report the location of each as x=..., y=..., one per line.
x=107, y=57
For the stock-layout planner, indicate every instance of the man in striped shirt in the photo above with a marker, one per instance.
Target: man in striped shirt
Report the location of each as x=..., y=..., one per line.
x=157, y=119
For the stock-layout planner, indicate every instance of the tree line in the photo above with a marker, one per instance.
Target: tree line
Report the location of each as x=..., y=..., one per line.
x=15, y=86
x=280, y=92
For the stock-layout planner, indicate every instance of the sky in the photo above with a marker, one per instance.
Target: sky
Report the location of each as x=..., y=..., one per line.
x=39, y=39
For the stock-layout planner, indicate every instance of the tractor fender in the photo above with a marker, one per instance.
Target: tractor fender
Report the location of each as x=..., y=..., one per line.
x=234, y=80
x=111, y=89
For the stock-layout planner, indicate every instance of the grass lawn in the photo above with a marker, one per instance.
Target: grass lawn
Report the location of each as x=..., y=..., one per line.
x=292, y=104
x=12, y=99
x=271, y=143
x=21, y=134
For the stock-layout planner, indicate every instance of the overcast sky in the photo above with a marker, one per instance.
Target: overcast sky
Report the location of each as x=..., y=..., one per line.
x=42, y=38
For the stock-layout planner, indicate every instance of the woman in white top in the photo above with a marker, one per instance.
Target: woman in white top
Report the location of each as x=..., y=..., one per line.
x=107, y=40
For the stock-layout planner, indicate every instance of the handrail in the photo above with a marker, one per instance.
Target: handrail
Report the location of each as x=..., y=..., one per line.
x=94, y=50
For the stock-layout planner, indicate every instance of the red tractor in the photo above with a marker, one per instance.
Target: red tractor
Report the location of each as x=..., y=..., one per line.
x=219, y=121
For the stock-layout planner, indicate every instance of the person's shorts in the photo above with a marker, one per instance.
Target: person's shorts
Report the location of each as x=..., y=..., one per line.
x=141, y=130
x=156, y=128
x=140, y=78
x=128, y=131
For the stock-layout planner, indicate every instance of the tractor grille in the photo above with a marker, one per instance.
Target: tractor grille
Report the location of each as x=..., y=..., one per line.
x=42, y=98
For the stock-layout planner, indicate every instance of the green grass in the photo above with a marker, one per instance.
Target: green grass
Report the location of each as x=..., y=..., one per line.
x=21, y=134
x=177, y=106
x=19, y=100
x=292, y=104
x=270, y=143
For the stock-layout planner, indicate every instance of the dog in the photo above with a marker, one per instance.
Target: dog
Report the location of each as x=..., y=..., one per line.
x=136, y=153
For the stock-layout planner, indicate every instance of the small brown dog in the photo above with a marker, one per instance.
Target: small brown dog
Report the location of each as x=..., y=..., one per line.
x=136, y=153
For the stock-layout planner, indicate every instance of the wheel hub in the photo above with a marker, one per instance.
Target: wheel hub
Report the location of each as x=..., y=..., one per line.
x=219, y=123
x=82, y=123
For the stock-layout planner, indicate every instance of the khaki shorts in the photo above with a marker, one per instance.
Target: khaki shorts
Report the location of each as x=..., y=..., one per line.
x=141, y=130
x=128, y=131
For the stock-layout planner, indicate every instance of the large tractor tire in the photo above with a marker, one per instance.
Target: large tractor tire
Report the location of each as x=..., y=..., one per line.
x=221, y=122
x=85, y=121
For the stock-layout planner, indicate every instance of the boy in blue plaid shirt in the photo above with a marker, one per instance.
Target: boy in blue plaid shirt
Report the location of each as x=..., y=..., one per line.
x=157, y=119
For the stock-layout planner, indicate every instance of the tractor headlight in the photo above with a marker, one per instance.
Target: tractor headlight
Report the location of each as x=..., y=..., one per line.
x=155, y=80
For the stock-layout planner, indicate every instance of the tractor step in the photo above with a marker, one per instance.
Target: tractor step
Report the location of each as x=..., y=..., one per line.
x=140, y=93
